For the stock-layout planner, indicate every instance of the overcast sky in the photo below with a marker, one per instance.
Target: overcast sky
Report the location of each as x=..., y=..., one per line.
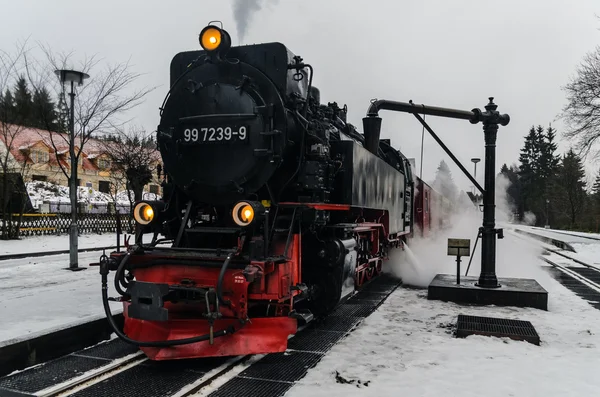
x=437, y=52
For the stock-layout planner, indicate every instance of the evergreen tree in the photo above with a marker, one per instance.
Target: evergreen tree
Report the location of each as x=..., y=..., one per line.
x=595, y=200
x=596, y=186
x=528, y=170
x=513, y=191
x=44, y=112
x=7, y=107
x=537, y=172
x=444, y=183
x=572, y=183
x=23, y=103
x=62, y=114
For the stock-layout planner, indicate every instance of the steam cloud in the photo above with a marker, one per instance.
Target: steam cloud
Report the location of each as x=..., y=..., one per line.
x=418, y=264
x=243, y=10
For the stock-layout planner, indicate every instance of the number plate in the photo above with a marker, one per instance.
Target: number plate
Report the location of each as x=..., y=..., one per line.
x=216, y=134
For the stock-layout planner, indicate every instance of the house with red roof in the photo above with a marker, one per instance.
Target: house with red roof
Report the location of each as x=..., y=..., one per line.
x=43, y=155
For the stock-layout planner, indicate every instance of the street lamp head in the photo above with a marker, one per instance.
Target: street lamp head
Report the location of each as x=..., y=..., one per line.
x=71, y=76
x=475, y=160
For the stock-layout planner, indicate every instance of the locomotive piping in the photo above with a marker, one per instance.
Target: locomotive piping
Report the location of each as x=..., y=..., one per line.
x=220, y=281
x=384, y=104
x=119, y=275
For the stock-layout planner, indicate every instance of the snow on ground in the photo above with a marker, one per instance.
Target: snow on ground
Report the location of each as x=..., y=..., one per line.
x=407, y=348
x=53, y=193
x=588, y=253
x=558, y=234
x=56, y=243
x=38, y=294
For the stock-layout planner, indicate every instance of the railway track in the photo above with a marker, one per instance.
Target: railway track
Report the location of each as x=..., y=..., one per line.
x=118, y=369
x=578, y=276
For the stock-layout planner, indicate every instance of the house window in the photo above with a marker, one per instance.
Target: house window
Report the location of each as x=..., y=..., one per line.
x=103, y=164
x=42, y=178
x=39, y=156
x=154, y=189
x=104, y=186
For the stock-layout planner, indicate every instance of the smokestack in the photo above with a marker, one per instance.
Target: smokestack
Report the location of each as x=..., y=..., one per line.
x=372, y=131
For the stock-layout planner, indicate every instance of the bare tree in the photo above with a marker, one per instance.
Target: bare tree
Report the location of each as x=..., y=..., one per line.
x=134, y=158
x=98, y=103
x=11, y=127
x=582, y=112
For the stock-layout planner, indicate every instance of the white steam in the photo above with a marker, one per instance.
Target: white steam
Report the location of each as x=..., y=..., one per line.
x=243, y=11
x=418, y=264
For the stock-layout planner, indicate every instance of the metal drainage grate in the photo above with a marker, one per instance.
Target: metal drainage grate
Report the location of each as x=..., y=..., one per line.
x=500, y=327
x=240, y=386
x=50, y=373
x=146, y=380
x=315, y=341
x=355, y=310
x=111, y=350
x=282, y=367
x=337, y=324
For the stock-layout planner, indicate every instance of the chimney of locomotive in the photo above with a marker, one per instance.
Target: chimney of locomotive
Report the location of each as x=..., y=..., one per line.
x=372, y=132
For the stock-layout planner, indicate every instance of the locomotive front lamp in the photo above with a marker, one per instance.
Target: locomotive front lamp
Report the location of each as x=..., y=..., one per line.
x=246, y=212
x=145, y=212
x=214, y=39
x=210, y=38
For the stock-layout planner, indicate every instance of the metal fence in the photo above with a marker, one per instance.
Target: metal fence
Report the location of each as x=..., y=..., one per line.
x=58, y=223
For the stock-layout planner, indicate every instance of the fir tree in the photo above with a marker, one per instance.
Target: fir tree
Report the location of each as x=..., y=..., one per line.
x=62, y=114
x=7, y=107
x=513, y=191
x=44, y=112
x=572, y=185
x=596, y=186
x=23, y=103
x=528, y=170
x=444, y=183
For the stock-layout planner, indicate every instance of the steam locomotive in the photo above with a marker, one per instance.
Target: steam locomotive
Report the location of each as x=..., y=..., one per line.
x=275, y=208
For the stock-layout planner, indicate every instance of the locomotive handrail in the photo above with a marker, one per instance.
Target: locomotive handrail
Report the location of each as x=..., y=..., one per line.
x=219, y=115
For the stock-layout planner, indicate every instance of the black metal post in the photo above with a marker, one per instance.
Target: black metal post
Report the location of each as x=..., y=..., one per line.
x=73, y=232
x=491, y=118
x=119, y=231
x=457, y=269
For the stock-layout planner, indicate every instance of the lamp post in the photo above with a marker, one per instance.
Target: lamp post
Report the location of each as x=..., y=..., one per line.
x=72, y=76
x=475, y=160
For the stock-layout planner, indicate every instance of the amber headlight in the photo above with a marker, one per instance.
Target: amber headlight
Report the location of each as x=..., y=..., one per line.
x=214, y=39
x=246, y=212
x=145, y=212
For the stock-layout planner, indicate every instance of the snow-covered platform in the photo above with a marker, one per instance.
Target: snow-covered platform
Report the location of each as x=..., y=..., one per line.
x=56, y=243
x=37, y=295
x=563, y=239
x=408, y=347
